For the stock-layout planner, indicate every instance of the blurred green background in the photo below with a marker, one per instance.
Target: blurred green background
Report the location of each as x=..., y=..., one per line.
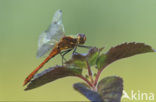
x=105, y=23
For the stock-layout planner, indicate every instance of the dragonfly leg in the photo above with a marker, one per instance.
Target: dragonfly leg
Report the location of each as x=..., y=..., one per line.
x=75, y=50
x=63, y=53
x=84, y=46
x=62, y=58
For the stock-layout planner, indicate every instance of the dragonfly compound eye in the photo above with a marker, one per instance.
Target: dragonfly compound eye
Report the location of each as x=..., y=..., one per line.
x=81, y=38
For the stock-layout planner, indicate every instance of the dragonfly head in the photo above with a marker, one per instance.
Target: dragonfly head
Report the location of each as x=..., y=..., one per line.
x=81, y=38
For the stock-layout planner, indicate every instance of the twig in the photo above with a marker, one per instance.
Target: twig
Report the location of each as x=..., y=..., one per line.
x=89, y=72
x=86, y=80
x=98, y=75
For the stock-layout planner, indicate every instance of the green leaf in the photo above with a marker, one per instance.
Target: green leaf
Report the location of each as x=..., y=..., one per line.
x=122, y=51
x=52, y=74
x=101, y=61
x=87, y=92
x=78, y=63
x=110, y=89
x=92, y=59
x=79, y=60
x=75, y=70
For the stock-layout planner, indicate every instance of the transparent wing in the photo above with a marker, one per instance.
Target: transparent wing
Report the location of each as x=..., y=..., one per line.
x=50, y=37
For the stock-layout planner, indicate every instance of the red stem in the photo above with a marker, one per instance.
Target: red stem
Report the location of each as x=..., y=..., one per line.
x=98, y=75
x=90, y=72
x=86, y=80
x=92, y=83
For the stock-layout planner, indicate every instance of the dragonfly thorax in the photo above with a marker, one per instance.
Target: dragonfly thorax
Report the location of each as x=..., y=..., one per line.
x=81, y=38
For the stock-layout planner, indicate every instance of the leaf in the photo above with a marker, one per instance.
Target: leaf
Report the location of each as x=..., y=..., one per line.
x=92, y=59
x=87, y=92
x=110, y=89
x=52, y=74
x=79, y=60
x=100, y=61
x=123, y=51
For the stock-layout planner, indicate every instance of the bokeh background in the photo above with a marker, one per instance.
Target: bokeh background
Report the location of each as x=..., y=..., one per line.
x=105, y=23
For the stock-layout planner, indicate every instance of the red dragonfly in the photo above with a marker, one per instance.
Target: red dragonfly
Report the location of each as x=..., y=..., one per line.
x=54, y=39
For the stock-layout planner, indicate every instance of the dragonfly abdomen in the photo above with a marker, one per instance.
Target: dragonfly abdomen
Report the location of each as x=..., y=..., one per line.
x=51, y=55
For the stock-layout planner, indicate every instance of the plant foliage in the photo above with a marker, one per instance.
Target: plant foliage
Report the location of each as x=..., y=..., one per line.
x=108, y=89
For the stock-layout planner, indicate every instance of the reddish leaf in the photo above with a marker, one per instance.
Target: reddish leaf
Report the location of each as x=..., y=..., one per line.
x=123, y=51
x=52, y=74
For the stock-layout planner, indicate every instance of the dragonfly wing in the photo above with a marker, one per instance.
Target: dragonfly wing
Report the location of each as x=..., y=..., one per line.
x=50, y=37
x=44, y=45
x=56, y=30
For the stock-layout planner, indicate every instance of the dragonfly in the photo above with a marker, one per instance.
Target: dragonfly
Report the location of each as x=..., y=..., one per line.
x=55, y=41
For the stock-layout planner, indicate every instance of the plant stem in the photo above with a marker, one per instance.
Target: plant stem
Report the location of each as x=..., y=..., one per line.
x=86, y=80
x=89, y=72
x=98, y=75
